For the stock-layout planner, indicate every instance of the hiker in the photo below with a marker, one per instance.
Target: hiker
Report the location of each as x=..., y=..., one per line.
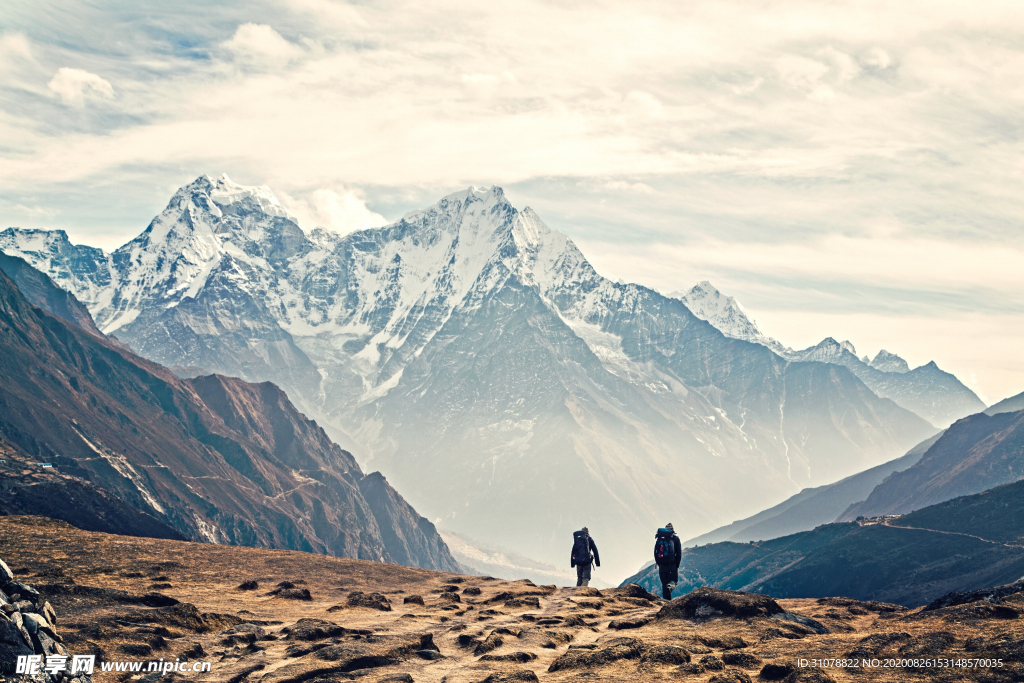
x=584, y=552
x=668, y=553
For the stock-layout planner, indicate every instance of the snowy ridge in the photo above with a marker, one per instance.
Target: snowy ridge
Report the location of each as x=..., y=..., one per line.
x=726, y=315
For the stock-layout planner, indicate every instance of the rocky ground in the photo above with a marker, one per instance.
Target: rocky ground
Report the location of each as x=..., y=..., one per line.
x=283, y=616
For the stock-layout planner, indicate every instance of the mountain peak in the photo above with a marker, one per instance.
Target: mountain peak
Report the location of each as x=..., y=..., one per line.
x=889, y=362
x=725, y=314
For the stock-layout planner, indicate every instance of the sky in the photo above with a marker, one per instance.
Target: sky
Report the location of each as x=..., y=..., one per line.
x=844, y=169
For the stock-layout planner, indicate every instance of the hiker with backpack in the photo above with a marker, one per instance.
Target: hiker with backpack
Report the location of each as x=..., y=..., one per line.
x=584, y=553
x=668, y=553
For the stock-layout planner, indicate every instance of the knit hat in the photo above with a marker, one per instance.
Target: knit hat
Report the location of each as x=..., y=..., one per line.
x=669, y=526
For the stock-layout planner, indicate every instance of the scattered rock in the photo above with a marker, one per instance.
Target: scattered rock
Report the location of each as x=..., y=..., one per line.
x=691, y=669
x=375, y=601
x=955, y=598
x=450, y=597
x=319, y=629
x=622, y=624
x=808, y=676
x=730, y=676
x=248, y=586
x=413, y=600
x=520, y=657
x=723, y=643
x=526, y=602
x=294, y=594
x=243, y=634
x=664, y=654
x=520, y=676
x=466, y=640
x=712, y=663
x=632, y=590
x=743, y=660
x=491, y=642
x=429, y=655
x=396, y=678
x=471, y=590
x=613, y=651
x=705, y=603
x=776, y=672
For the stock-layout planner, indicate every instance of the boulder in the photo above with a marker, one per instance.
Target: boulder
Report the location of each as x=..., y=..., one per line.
x=730, y=676
x=776, y=672
x=375, y=601
x=491, y=642
x=705, y=603
x=622, y=624
x=519, y=657
x=6, y=575
x=744, y=660
x=519, y=676
x=13, y=642
x=614, y=650
x=664, y=654
x=632, y=590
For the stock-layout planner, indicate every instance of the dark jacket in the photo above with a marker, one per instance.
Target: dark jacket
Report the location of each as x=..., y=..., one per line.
x=677, y=547
x=593, y=550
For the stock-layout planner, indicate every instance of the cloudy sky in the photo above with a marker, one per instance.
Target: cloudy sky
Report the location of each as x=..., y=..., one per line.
x=844, y=169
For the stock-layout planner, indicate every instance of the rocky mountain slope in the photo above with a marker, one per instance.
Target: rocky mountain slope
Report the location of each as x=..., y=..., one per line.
x=959, y=545
x=213, y=458
x=814, y=506
x=478, y=360
x=1007, y=405
x=977, y=453
x=935, y=395
x=347, y=619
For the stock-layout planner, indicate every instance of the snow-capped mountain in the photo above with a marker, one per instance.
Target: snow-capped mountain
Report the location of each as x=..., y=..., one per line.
x=935, y=395
x=726, y=315
x=928, y=391
x=476, y=358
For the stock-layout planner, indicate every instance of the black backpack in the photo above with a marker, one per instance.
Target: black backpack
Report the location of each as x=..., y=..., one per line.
x=581, y=548
x=664, y=548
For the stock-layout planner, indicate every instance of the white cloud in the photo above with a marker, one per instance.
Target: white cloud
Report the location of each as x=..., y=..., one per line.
x=75, y=86
x=260, y=42
x=340, y=212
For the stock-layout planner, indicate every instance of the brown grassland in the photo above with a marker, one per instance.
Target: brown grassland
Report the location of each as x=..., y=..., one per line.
x=317, y=618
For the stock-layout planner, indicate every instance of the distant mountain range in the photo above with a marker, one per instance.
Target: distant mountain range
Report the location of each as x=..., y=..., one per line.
x=475, y=357
x=962, y=544
x=137, y=450
x=813, y=507
x=935, y=395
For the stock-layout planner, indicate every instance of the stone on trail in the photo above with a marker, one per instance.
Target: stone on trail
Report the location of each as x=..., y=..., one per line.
x=774, y=671
x=664, y=654
x=622, y=624
x=705, y=603
x=730, y=676
x=520, y=676
x=611, y=651
x=520, y=657
x=743, y=660
x=375, y=601
x=413, y=600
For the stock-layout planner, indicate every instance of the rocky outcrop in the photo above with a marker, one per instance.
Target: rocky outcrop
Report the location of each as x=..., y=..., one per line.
x=28, y=627
x=705, y=603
